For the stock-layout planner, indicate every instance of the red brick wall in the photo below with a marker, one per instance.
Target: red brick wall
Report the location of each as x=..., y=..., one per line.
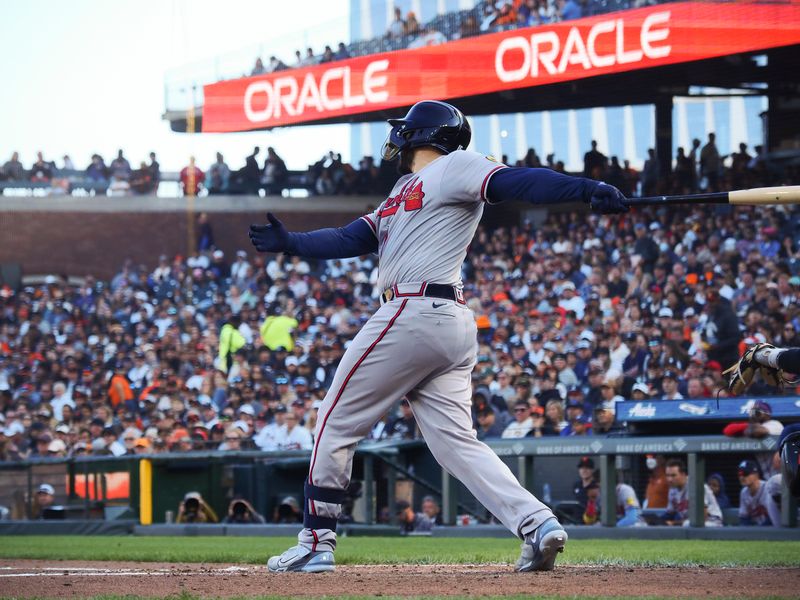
x=81, y=243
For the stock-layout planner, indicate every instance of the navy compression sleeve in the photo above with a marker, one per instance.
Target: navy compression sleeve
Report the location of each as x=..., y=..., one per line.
x=538, y=186
x=354, y=239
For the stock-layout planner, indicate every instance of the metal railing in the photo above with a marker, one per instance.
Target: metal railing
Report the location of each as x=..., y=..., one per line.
x=272, y=474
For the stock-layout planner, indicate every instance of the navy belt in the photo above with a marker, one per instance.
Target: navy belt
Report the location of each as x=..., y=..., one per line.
x=430, y=290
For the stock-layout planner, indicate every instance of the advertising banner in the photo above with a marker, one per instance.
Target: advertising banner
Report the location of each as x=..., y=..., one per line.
x=521, y=58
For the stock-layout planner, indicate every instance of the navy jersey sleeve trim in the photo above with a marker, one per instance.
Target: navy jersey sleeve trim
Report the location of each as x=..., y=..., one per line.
x=355, y=239
x=485, y=185
x=371, y=225
x=538, y=186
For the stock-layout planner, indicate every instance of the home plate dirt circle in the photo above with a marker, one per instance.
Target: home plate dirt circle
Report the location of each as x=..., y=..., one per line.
x=76, y=579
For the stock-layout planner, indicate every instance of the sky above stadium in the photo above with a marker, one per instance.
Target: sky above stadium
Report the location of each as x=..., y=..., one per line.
x=87, y=76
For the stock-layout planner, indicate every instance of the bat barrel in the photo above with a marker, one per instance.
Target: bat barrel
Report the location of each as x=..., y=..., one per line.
x=789, y=194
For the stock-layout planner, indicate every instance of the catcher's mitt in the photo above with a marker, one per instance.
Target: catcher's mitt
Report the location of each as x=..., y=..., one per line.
x=743, y=372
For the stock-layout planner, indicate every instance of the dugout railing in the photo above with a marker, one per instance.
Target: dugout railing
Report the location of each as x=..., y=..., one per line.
x=112, y=487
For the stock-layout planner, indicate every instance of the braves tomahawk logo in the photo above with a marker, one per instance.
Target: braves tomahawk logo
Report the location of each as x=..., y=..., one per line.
x=410, y=197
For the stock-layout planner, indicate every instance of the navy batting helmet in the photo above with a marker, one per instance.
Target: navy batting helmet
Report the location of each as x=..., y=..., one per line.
x=790, y=458
x=428, y=123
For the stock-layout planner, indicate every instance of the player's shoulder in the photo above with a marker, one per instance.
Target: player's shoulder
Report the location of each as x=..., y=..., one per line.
x=469, y=156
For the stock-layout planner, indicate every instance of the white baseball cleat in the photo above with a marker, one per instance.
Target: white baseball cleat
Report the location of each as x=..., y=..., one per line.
x=303, y=560
x=540, y=548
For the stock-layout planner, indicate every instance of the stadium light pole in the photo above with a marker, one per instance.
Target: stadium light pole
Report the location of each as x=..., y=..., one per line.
x=191, y=184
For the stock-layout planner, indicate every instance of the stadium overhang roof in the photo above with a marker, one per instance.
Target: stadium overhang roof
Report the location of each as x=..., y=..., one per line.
x=629, y=57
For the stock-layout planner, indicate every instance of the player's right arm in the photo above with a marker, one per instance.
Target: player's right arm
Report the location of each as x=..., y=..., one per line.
x=543, y=186
x=355, y=239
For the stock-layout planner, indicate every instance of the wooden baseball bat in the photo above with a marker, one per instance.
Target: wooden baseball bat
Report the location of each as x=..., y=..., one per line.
x=789, y=194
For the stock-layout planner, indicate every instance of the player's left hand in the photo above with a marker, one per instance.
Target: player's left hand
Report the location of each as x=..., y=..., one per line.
x=271, y=237
x=607, y=199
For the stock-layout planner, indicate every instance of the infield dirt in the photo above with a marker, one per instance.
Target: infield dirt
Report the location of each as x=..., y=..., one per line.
x=75, y=579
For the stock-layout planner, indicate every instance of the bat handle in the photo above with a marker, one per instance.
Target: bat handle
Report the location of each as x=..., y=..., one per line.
x=710, y=198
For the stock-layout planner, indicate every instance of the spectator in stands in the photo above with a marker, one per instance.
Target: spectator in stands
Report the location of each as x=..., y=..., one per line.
x=194, y=509
x=403, y=426
x=241, y=512
x=669, y=386
x=42, y=170
x=44, y=499
x=275, y=173
x=595, y=162
x=68, y=164
x=205, y=233
x=288, y=511
x=605, y=422
x=586, y=479
x=410, y=521
x=412, y=26
x=155, y=170
x=275, y=65
x=469, y=27
x=554, y=416
x=191, y=178
x=327, y=55
x=717, y=484
x=569, y=10
x=428, y=36
x=754, y=500
x=528, y=14
x=97, y=170
x=721, y=335
x=309, y=59
x=142, y=180
x=710, y=164
x=218, y=176
x=430, y=508
x=294, y=436
x=507, y=15
x=249, y=177
x=258, y=68
x=397, y=27
x=649, y=175
x=298, y=59
x=489, y=17
x=342, y=53
x=678, y=501
x=13, y=170
x=523, y=422
x=120, y=168
x=491, y=424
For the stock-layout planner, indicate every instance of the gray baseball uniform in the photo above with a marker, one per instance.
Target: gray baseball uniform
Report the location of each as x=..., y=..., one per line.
x=755, y=507
x=421, y=347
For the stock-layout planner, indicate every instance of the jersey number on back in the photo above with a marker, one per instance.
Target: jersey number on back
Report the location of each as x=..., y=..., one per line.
x=410, y=197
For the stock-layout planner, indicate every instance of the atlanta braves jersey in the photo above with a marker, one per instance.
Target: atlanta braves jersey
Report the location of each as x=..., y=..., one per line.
x=427, y=223
x=754, y=506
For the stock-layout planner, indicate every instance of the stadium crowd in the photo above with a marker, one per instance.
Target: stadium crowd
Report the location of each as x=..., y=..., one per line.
x=575, y=315
x=701, y=168
x=486, y=16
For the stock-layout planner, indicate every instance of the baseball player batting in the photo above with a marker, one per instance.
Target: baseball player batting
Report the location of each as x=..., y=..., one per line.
x=422, y=341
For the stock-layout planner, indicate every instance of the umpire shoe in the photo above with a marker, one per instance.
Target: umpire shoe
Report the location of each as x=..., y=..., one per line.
x=301, y=559
x=541, y=547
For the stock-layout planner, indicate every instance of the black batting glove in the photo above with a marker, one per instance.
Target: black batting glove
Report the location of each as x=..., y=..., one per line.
x=272, y=237
x=607, y=199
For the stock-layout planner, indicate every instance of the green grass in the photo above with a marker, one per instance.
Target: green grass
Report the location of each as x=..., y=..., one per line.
x=369, y=550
